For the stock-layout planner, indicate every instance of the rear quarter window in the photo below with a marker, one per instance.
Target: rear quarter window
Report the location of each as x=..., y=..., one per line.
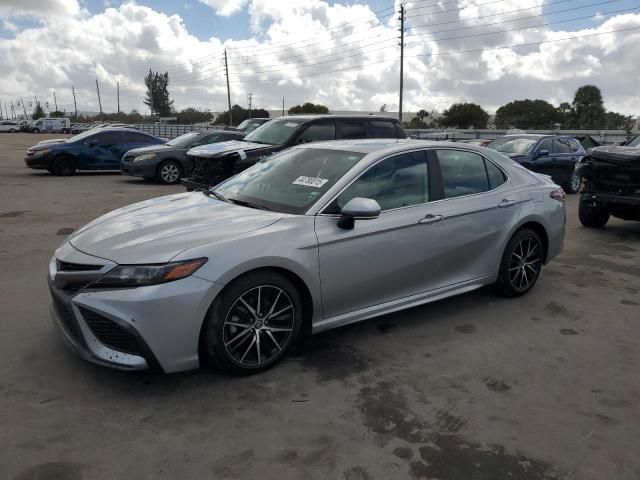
x=381, y=129
x=350, y=129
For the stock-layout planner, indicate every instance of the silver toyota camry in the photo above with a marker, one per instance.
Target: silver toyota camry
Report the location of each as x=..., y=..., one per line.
x=317, y=236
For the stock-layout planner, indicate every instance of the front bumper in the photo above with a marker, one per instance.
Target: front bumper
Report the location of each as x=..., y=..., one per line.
x=42, y=162
x=153, y=327
x=139, y=169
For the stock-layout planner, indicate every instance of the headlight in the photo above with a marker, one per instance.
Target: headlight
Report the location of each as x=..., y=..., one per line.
x=142, y=275
x=146, y=156
x=38, y=153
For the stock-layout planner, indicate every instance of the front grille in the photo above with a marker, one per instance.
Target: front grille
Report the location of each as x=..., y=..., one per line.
x=75, y=287
x=75, y=267
x=66, y=317
x=110, y=333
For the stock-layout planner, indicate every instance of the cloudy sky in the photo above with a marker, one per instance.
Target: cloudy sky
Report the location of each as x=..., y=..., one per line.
x=342, y=53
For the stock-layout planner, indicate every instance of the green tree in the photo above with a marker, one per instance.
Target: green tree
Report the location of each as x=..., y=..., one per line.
x=617, y=121
x=57, y=114
x=415, y=122
x=157, y=97
x=38, y=112
x=422, y=114
x=240, y=114
x=192, y=115
x=565, y=114
x=465, y=115
x=589, y=108
x=526, y=114
x=308, y=108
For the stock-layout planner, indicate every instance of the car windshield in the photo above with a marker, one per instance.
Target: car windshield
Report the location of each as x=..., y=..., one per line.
x=275, y=132
x=183, y=141
x=513, y=144
x=290, y=181
x=635, y=142
x=81, y=136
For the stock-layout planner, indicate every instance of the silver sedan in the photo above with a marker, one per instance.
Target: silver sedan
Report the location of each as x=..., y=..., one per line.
x=317, y=236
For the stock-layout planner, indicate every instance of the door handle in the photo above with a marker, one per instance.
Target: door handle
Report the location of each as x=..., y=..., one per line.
x=431, y=219
x=506, y=203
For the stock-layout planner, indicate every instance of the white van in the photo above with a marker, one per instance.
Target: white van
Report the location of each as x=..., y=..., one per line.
x=52, y=125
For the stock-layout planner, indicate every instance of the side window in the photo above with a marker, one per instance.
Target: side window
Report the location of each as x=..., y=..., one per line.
x=463, y=173
x=546, y=144
x=381, y=129
x=207, y=139
x=317, y=132
x=129, y=137
x=496, y=176
x=396, y=182
x=562, y=145
x=350, y=129
x=106, y=138
x=575, y=146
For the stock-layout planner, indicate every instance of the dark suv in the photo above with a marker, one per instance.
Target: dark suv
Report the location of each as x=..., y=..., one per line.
x=612, y=184
x=217, y=162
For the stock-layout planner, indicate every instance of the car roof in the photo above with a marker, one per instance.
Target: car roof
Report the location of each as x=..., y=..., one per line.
x=386, y=145
x=536, y=135
x=308, y=116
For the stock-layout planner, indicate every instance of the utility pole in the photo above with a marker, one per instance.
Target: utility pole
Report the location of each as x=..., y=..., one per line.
x=226, y=68
x=249, y=96
x=13, y=110
x=401, y=61
x=118, y=90
x=99, y=101
x=55, y=101
x=75, y=106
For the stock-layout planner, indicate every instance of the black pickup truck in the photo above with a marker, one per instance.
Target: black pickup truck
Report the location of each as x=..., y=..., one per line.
x=214, y=163
x=612, y=184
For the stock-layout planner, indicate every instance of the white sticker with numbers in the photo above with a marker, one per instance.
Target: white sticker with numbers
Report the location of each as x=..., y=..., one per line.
x=310, y=181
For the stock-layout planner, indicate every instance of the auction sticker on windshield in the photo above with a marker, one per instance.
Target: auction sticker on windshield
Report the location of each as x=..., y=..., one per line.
x=310, y=181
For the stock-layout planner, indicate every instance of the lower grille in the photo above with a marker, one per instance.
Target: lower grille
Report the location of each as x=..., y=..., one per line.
x=75, y=287
x=66, y=317
x=110, y=333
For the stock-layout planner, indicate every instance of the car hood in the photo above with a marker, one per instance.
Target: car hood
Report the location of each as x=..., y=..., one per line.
x=156, y=230
x=50, y=141
x=215, y=149
x=150, y=149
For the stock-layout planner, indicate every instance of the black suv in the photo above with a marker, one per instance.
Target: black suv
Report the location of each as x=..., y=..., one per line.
x=217, y=162
x=612, y=184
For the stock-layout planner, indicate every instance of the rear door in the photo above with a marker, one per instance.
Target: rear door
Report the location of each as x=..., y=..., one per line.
x=564, y=160
x=478, y=208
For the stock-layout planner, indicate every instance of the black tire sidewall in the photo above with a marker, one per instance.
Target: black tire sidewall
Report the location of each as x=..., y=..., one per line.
x=162, y=164
x=503, y=277
x=59, y=162
x=212, y=334
x=592, y=217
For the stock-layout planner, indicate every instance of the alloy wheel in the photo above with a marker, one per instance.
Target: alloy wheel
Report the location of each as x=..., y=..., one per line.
x=258, y=326
x=576, y=180
x=169, y=173
x=525, y=263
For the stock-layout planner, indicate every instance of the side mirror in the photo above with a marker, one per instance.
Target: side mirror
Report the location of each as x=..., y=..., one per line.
x=542, y=153
x=358, y=209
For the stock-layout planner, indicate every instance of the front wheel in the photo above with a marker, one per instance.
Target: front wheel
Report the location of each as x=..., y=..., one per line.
x=169, y=172
x=252, y=323
x=574, y=183
x=590, y=216
x=36, y=130
x=521, y=263
x=64, y=166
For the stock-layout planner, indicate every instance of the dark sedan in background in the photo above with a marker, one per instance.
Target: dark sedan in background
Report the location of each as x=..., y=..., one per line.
x=552, y=155
x=168, y=163
x=95, y=149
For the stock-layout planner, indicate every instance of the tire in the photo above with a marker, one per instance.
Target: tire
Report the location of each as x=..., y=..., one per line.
x=237, y=341
x=574, y=183
x=36, y=130
x=13, y=130
x=64, y=166
x=169, y=172
x=592, y=217
x=521, y=263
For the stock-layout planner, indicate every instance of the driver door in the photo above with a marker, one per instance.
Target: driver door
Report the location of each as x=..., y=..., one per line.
x=382, y=259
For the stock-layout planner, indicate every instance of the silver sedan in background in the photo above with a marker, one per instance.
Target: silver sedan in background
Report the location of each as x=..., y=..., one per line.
x=317, y=236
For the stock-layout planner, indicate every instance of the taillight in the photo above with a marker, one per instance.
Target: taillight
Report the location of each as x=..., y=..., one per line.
x=558, y=195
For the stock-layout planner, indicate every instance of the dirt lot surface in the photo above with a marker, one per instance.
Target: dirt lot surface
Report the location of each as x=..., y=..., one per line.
x=478, y=387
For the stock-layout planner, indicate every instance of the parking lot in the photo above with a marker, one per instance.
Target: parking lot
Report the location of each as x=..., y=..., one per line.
x=474, y=387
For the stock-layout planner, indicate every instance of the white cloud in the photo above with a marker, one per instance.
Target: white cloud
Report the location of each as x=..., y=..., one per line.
x=39, y=8
x=225, y=7
x=294, y=41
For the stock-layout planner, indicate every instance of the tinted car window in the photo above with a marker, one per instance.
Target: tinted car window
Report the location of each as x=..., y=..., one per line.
x=561, y=145
x=316, y=132
x=496, y=176
x=346, y=129
x=396, y=182
x=130, y=137
x=575, y=146
x=107, y=138
x=546, y=144
x=463, y=173
x=381, y=129
x=207, y=139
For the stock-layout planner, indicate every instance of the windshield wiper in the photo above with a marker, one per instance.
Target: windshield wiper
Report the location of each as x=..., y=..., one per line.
x=244, y=203
x=215, y=194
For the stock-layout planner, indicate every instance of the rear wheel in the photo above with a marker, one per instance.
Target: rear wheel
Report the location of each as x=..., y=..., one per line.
x=521, y=263
x=574, y=183
x=169, y=172
x=36, y=130
x=252, y=323
x=64, y=166
x=593, y=217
